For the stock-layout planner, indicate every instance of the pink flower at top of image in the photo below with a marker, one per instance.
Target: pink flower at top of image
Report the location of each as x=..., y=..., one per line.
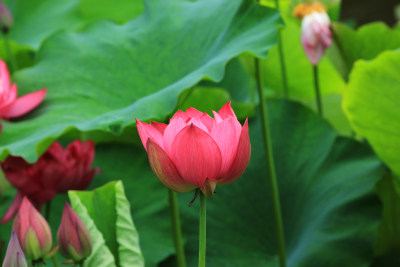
x=316, y=35
x=56, y=171
x=197, y=151
x=12, y=106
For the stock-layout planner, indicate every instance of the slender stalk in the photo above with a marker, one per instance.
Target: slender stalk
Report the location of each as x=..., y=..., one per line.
x=13, y=62
x=202, y=231
x=277, y=5
x=177, y=229
x=317, y=90
x=47, y=211
x=55, y=260
x=282, y=61
x=271, y=169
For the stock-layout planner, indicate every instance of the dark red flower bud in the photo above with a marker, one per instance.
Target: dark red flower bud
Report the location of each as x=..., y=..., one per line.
x=73, y=237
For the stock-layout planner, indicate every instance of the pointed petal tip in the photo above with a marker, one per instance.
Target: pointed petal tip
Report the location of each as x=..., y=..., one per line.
x=25, y=104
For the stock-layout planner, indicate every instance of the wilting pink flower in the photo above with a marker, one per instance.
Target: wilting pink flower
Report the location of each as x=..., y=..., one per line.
x=315, y=30
x=33, y=231
x=56, y=171
x=73, y=237
x=14, y=255
x=195, y=150
x=10, y=105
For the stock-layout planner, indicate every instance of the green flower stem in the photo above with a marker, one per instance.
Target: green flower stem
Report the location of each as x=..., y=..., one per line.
x=317, y=90
x=271, y=169
x=202, y=231
x=47, y=211
x=282, y=60
x=13, y=62
x=55, y=260
x=177, y=229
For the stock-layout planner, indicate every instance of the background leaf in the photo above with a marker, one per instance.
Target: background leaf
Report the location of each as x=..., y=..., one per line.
x=108, y=209
x=366, y=43
x=371, y=104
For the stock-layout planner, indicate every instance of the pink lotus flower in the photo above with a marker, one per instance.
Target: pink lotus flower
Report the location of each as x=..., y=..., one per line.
x=10, y=105
x=316, y=35
x=56, y=171
x=73, y=237
x=33, y=231
x=195, y=150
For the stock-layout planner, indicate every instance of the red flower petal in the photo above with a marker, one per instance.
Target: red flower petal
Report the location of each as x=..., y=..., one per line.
x=146, y=130
x=242, y=157
x=226, y=135
x=24, y=104
x=196, y=155
x=193, y=113
x=4, y=76
x=174, y=127
x=12, y=209
x=159, y=126
x=164, y=168
x=207, y=121
x=179, y=114
x=226, y=111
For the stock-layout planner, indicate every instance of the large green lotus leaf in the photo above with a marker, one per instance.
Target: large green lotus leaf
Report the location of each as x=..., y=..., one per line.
x=118, y=10
x=330, y=210
x=367, y=42
x=371, y=104
x=106, y=212
x=36, y=20
x=103, y=77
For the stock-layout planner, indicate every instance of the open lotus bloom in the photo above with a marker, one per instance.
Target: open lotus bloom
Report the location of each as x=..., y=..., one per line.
x=10, y=105
x=56, y=171
x=197, y=151
x=315, y=30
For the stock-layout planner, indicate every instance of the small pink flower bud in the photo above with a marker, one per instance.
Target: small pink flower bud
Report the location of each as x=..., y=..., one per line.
x=6, y=19
x=73, y=237
x=14, y=255
x=33, y=231
x=315, y=30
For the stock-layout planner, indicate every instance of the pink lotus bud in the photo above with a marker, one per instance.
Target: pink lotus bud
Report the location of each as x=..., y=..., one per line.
x=56, y=171
x=32, y=231
x=6, y=20
x=10, y=105
x=73, y=236
x=315, y=30
x=195, y=150
x=14, y=255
